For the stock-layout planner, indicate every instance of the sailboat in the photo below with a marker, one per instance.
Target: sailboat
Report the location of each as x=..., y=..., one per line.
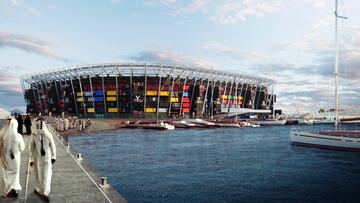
x=336, y=139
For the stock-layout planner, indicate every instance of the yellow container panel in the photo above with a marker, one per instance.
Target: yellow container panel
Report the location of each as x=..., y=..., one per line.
x=90, y=110
x=80, y=94
x=110, y=98
x=80, y=99
x=240, y=97
x=224, y=96
x=151, y=93
x=164, y=93
x=112, y=110
x=174, y=99
x=111, y=93
x=150, y=110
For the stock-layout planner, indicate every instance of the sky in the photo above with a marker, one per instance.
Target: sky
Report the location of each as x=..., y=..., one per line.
x=290, y=41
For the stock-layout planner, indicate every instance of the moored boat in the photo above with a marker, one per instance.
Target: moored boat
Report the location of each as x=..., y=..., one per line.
x=335, y=139
x=228, y=125
x=338, y=139
x=324, y=121
x=305, y=121
x=159, y=126
x=269, y=122
x=249, y=125
x=202, y=123
x=183, y=124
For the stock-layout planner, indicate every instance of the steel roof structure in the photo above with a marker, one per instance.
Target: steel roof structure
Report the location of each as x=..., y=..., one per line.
x=112, y=69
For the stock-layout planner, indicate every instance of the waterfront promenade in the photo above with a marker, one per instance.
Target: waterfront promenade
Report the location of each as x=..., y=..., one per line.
x=70, y=183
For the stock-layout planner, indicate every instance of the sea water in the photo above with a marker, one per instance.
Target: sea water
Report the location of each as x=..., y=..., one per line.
x=220, y=165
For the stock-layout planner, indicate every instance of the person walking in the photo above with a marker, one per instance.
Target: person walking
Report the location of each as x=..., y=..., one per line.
x=20, y=124
x=27, y=123
x=42, y=156
x=11, y=146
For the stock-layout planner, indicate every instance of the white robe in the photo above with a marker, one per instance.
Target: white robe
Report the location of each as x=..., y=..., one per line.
x=42, y=163
x=67, y=123
x=71, y=123
x=58, y=123
x=62, y=124
x=11, y=143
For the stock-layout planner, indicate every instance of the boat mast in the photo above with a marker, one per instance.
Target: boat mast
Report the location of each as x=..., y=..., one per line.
x=336, y=68
x=337, y=65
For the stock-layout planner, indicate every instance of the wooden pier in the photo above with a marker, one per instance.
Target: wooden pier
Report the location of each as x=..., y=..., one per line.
x=73, y=180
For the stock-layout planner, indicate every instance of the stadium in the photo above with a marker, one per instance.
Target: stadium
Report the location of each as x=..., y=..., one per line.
x=146, y=91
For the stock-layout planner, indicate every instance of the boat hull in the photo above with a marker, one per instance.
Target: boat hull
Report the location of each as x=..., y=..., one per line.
x=324, y=141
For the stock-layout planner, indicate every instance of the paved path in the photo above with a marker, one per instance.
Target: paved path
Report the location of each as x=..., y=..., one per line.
x=69, y=181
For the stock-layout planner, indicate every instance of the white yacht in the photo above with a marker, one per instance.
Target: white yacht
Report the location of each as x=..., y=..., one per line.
x=338, y=139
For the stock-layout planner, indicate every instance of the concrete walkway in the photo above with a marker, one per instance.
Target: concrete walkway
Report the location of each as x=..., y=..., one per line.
x=69, y=181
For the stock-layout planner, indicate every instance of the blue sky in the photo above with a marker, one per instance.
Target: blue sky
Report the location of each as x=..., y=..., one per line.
x=291, y=41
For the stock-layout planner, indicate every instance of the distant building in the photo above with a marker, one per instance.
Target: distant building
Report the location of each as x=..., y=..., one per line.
x=145, y=91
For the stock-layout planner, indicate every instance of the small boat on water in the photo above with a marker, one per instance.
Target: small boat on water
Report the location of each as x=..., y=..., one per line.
x=183, y=124
x=305, y=121
x=324, y=121
x=159, y=126
x=228, y=125
x=269, y=122
x=202, y=123
x=249, y=125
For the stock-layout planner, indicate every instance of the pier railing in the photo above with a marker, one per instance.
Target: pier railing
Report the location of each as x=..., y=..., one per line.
x=77, y=159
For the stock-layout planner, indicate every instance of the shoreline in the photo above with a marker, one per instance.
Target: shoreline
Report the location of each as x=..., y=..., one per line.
x=97, y=125
x=101, y=125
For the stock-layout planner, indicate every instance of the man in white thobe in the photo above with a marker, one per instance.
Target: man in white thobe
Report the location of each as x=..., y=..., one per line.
x=43, y=155
x=11, y=146
x=66, y=124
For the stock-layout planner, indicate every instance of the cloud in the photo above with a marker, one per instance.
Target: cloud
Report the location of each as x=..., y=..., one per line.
x=318, y=3
x=311, y=86
x=33, y=11
x=236, y=11
x=16, y=2
x=29, y=43
x=169, y=57
x=10, y=89
x=178, y=8
x=11, y=99
x=234, y=53
x=221, y=11
x=307, y=83
x=18, y=7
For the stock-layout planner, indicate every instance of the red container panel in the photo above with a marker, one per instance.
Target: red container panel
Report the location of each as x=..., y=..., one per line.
x=186, y=105
x=185, y=100
x=186, y=110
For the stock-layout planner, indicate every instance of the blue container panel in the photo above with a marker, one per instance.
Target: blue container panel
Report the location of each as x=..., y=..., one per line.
x=99, y=99
x=99, y=93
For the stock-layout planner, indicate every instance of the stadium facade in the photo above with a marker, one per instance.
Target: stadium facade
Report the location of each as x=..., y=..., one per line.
x=145, y=91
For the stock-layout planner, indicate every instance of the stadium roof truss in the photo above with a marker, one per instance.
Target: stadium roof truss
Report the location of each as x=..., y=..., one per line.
x=112, y=69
